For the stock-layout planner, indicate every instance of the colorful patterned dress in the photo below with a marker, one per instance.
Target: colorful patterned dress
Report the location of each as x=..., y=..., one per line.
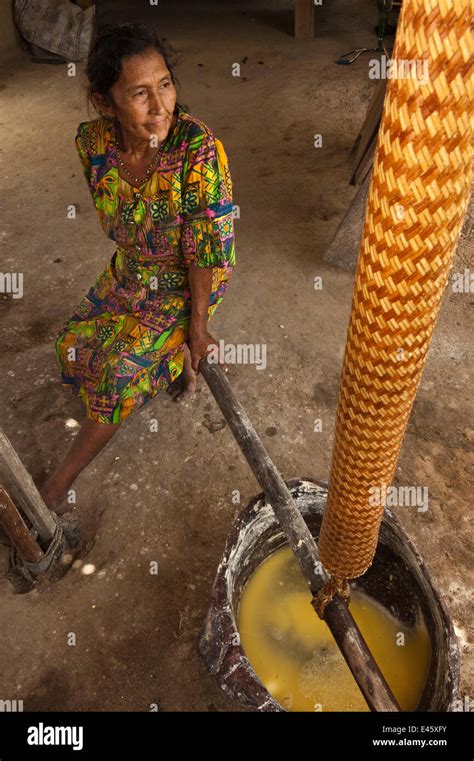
x=125, y=340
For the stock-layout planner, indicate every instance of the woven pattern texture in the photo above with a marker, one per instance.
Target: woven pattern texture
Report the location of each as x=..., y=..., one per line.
x=417, y=200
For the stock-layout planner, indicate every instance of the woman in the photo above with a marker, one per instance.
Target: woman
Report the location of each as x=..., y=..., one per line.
x=160, y=182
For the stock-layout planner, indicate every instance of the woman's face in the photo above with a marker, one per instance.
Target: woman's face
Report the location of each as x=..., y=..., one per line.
x=144, y=97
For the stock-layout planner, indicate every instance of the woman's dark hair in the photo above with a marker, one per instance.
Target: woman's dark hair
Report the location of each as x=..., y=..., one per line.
x=116, y=42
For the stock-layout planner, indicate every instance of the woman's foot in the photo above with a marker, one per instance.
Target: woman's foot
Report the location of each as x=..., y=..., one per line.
x=184, y=386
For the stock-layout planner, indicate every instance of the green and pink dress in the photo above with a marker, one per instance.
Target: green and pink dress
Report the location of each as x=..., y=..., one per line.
x=125, y=340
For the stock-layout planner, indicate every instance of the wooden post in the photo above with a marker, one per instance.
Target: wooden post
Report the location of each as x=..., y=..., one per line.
x=23, y=492
x=304, y=19
x=345, y=631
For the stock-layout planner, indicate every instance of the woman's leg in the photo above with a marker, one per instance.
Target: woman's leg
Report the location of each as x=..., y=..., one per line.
x=91, y=438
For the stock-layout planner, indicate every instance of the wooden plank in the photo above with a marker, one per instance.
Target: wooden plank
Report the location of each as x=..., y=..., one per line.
x=344, y=247
x=366, y=163
x=370, y=126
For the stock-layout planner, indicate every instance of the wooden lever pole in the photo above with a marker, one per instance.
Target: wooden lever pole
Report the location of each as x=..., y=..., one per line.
x=19, y=485
x=344, y=629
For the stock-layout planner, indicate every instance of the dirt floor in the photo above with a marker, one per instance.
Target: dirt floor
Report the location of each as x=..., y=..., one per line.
x=166, y=496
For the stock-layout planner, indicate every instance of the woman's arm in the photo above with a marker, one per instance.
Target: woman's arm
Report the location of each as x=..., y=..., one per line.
x=207, y=239
x=200, y=280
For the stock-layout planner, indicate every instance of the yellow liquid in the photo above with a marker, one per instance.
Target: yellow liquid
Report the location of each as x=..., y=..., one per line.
x=295, y=656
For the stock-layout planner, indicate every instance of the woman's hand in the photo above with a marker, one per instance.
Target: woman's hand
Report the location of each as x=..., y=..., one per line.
x=200, y=343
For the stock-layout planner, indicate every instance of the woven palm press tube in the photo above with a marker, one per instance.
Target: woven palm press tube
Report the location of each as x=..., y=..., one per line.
x=417, y=199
